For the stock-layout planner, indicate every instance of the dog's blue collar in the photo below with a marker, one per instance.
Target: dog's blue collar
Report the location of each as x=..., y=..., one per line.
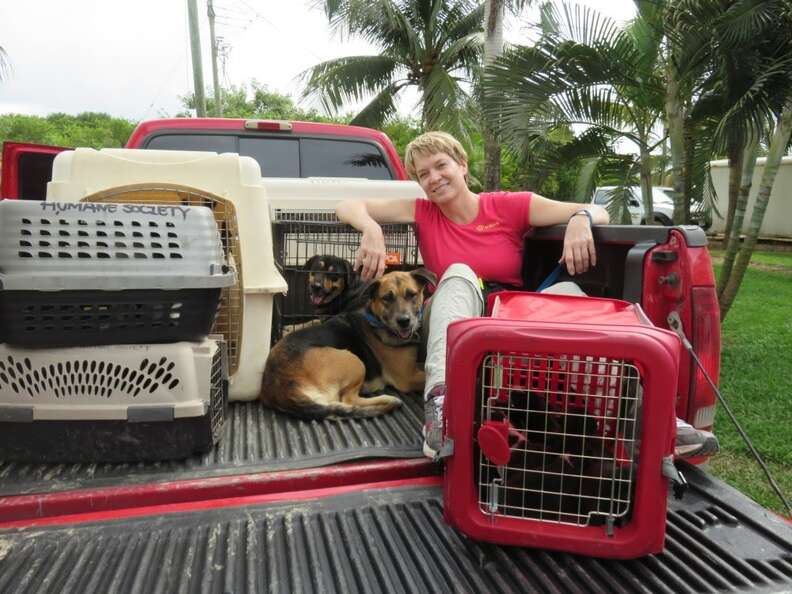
x=373, y=320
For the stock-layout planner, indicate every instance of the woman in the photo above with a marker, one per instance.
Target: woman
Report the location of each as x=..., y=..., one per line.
x=464, y=238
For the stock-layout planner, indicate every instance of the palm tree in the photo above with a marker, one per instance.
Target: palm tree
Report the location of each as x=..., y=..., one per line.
x=772, y=86
x=741, y=52
x=432, y=45
x=583, y=71
x=714, y=61
x=494, y=13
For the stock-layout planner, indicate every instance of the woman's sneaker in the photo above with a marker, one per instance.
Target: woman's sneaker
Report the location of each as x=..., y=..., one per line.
x=691, y=442
x=433, y=421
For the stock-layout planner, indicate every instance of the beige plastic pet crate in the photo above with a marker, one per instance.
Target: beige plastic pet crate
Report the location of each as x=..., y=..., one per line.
x=228, y=184
x=110, y=382
x=111, y=403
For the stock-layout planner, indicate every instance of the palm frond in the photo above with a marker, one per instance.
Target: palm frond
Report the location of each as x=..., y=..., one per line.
x=444, y=101
x=380, y=22
x=586, y=178
x=338, y=81
x=745, y=20
x=380, y=108
x=580, y=24
x=751, y=112
x=463, y=24
x=465, y=52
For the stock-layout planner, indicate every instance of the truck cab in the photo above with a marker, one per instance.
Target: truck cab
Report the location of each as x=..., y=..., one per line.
x=283, y=149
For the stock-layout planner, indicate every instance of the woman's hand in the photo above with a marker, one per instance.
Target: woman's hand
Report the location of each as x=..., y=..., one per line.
x=370, y=257
x=578, y=253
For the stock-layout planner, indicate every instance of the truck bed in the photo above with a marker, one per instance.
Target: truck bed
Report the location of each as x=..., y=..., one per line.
x=384, y=537
x=255, y=440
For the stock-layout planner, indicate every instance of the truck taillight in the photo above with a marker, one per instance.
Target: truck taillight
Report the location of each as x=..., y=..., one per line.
x=269, y=125
x=706, y=340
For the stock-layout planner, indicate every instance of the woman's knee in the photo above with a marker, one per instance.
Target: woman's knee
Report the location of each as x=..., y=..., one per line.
x=459, y=289
x=462, y=271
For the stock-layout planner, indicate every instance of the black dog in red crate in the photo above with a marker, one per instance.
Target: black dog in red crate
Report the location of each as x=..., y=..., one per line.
x=333, y=285
x=561, y=469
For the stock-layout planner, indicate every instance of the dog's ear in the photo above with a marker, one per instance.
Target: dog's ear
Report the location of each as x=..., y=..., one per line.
x=370, y=289
x=349, y=272
x=424, y=277
x=310, y=263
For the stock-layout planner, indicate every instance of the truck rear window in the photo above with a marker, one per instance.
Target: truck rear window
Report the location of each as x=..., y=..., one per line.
x=288, y=157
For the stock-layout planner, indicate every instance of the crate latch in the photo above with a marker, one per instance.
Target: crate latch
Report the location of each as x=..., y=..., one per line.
x=149, y=414
x=672, y=473
x=16, y=414
x=446, y=450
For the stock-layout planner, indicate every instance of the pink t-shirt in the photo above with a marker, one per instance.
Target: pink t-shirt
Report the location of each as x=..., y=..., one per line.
x=492, y=245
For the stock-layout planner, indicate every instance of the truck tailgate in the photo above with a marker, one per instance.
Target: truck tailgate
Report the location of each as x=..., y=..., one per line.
x=255, y=439
x=385, y=538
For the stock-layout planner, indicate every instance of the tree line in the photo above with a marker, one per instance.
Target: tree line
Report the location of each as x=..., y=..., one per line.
x=684, y=82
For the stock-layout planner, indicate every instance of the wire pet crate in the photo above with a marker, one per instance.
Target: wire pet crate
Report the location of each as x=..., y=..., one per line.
x=559, y=429
x=118, y=403
x=301, y=234
x=228, y=321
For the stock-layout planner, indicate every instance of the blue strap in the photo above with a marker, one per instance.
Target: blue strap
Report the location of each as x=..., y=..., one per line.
x=373, y=320
x=551, y=278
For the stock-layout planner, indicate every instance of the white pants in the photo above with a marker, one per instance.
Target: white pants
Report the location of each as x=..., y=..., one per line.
x=458, y=296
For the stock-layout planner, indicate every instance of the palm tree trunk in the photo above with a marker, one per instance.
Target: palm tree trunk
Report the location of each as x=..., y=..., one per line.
x=646, y=183
x=732, y=240
x=688, y=171
x=778, y=146
x=493, y=47
x=736, y=155
x=676, y=136
x=663, y=157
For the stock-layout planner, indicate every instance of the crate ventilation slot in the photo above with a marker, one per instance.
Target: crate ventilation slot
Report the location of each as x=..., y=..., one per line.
x=100, y=239
x=101, y=316
x=87, y=377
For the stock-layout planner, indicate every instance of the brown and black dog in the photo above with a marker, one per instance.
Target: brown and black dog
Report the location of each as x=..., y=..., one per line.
x=333, y=285
x=320, y=371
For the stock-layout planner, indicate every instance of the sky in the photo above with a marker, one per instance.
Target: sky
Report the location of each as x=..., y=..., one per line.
x=132, y=59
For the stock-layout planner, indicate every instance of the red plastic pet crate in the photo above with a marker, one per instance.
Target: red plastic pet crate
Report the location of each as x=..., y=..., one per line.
x=560, y=427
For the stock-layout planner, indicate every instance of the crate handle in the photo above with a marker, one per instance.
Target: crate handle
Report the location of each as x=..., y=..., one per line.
x=556, y=333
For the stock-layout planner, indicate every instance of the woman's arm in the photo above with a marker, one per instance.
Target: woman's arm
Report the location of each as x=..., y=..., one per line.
x=366, y=216
x=578, y=253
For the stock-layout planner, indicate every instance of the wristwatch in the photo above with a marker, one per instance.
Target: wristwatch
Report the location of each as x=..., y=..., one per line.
x=584, y=211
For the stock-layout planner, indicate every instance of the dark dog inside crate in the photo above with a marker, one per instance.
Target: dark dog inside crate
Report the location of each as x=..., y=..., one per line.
x=333, y=286
x=299, y=236
x=562, y=468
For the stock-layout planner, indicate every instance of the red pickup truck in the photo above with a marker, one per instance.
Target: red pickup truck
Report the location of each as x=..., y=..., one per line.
x=289, y=506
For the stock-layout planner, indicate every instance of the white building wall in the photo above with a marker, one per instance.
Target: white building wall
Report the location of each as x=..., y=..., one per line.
x=778, y=216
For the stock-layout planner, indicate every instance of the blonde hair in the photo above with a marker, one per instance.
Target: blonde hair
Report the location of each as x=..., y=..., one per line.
x=431, y=143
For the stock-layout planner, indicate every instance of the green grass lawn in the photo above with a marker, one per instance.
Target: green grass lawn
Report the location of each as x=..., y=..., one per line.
x=755, y=379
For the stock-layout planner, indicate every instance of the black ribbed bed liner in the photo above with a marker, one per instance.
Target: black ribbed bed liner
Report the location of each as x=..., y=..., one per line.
x=255, y=439
x=389, y=540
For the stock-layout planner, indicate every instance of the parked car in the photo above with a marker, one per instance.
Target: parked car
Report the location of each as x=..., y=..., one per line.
x=662, y=204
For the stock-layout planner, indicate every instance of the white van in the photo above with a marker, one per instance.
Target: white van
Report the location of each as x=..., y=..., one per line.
x=663, y=203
